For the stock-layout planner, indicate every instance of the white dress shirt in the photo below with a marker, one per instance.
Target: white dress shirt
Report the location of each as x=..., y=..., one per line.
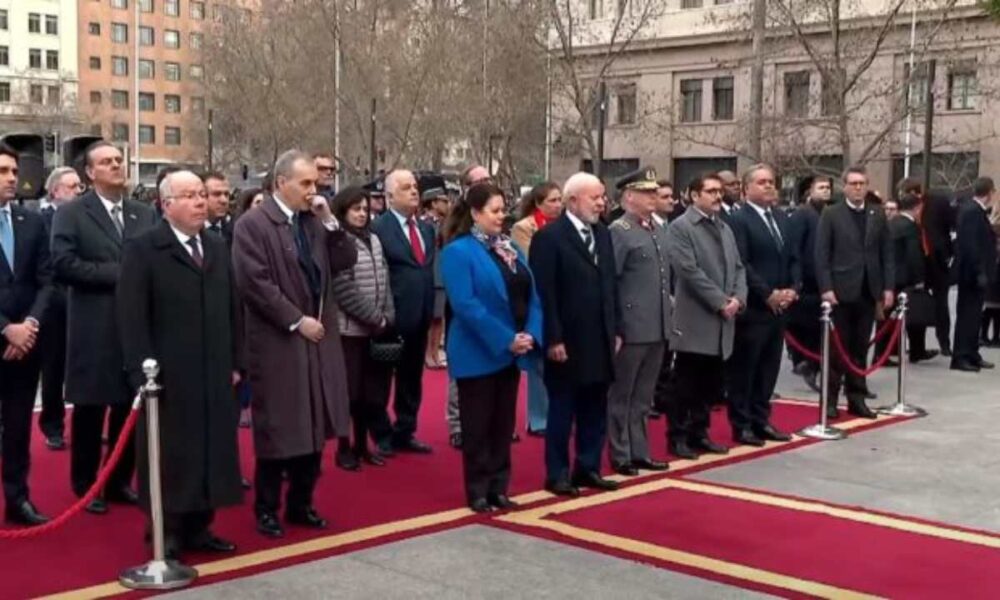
x=406, y=228
x=581, y=227
x=184, y=238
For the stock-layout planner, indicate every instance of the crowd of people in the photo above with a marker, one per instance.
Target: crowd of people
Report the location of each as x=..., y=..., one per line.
x=309, y=305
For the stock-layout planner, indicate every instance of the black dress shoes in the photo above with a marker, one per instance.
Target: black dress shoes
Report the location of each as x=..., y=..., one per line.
x=562, y=488
x=858, y=408
x=707, y=445
x=122, y=495
x=306, y=518
x=539, y=433
x=211, y=543
x=650, y=464
x=870, y=395
x=455, y=441
x=812, y=380
x=385, y=449
x=769, y=432
x=412, y=445
x=595, y=481
x=681, y=450
x=502, y=502
x=831, y=411
x=964, y=365
x=946, y=351
x=347, y=461
x=747, y=438
x=984, y=364
x=268, y=525
x=373, y=458
x=480, y=505
x=97, y=506
x=928, y=355
x=55, y=442
x=25, y=513
x=625, y=469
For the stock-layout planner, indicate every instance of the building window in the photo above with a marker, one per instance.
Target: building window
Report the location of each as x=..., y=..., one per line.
x=196, y=40
x=625, y=104
x=4, y=92
x=147, y=102
x=147, y=69
x=4, y=25
x=53, y=95
x=172, y=38
x=95, y=63
x=52, y=60
x=119, y=33
x=797, y=94
x=119, y=3
x=119, y=99
x=962, y=87
x=94, y=28
x=172, y=8
x=198, y=105
x=690, y=100
x=34, y=23
x=147, y=37
x=172, y=103
x=197, y=72
x=917, y=90
x=119, y=66
x=146, y=6
x=95, y=97
x=147, y=134
x=119, y=132
x=4, y=56
x=595, y=9
x=34, y=58
x=172, y=71
x=52, y=24
x=35, y=92
x=172, y=136
x=198, y=10
x=722, y=99
x=691, y=3
x=718, y=2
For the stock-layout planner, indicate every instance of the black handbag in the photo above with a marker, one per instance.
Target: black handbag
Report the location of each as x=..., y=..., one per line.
x=919, y=308
x=386, y=349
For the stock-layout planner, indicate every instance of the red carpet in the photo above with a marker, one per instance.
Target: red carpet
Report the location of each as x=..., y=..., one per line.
x=847, y=554
x=91, y=550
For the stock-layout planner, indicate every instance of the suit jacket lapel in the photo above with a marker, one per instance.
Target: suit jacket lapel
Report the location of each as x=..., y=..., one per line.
x=576, y=241
x=166, y=240
x=95, y=208
x=21, y=241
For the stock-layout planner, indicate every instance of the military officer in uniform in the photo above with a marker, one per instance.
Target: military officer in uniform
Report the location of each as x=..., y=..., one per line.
x=643, y=272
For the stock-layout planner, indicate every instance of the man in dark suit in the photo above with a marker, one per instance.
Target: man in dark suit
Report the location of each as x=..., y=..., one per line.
x=975, y=270
x=217, y=209
x=175, y=305
x=773, y=280
x=408, y=244
x=938, y=221
x=25, y=287
x=574, y=266
x=62, y=186
x=87, y=237
x=910, y=267
x=855, y=271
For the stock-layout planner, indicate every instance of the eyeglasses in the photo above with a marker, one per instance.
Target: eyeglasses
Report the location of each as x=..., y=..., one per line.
x=715, y=191
x=188, y=196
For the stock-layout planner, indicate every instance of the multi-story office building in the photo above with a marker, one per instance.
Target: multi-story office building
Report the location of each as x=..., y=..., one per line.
x=152, y=98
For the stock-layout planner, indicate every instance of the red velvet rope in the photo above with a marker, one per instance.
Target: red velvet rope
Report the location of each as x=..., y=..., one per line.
x=882, y=360
x=881, y=331
x=102, y=479
x=797, y=345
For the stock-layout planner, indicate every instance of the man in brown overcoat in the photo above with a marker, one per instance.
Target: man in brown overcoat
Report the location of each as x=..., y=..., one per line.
x=284, y=256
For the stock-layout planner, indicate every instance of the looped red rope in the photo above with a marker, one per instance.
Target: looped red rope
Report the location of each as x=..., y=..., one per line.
x=102, y=479
x=798, y=346
x=882, y=360
x=882, y=330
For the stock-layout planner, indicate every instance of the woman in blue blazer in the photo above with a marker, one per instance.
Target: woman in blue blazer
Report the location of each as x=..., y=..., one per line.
x=493, y=335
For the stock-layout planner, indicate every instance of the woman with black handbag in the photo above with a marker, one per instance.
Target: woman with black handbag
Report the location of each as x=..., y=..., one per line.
x=366, y=315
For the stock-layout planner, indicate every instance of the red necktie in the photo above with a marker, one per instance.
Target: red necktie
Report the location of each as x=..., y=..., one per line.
x=418, y=250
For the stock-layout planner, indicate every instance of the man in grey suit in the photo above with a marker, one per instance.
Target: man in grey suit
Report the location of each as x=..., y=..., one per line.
x=710, y=290
x=643, y=272
x=855, y=271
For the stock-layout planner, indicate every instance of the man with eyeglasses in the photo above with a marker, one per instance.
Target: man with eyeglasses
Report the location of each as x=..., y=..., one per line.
x=87, y=240
x=326, y=167
x=62, y=187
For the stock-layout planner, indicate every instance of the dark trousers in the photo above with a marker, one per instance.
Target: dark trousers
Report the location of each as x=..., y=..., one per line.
x=665, y=381
x=52, y=344
x=186, y=528
x=18, y=382
x=938, y=278
x=487, y=407
x=754, y=368
x=916, y=341
x=303, y=472
x=968, y=317
x=853, y=321
x=85, y=446
x=368, y=389
x=409, y=378
x=804, y=325
x=586, y=407
x=699, y=386
x=991, y=317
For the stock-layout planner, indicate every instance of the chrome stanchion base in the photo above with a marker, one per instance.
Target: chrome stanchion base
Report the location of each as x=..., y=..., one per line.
x=819, y=432
x=901, y=409
x=157, y=575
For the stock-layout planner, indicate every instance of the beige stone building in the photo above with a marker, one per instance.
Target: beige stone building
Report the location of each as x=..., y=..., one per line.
x=679, y=98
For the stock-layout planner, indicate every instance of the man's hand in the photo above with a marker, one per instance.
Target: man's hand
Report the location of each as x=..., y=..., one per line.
x=776, y=302
x=888, y=299
x=730, y=309
x=558, y=354
x=321, y=208
x=237, y=378
x=830, y=297
x=311, y=329
x=618, y=343
x=12, y=353
x=21, y=335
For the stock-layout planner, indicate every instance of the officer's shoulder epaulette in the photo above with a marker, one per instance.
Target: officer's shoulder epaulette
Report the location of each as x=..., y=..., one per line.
x=622, y=224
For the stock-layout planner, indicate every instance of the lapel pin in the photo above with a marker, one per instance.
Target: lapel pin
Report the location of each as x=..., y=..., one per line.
x=131, y=216
x=20, y=217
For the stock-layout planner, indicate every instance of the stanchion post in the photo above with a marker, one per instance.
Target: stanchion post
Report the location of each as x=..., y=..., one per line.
x=822, y=430
x=160, y=573
x=901, y=408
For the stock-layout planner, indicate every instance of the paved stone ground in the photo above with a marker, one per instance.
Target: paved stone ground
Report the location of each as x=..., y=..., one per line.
x=945, y=467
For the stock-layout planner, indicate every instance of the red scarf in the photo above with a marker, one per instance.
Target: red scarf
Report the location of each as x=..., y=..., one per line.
x=540, y=219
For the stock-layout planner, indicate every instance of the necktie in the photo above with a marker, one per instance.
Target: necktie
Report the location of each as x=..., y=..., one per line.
x=116, y=218
x=216, y=227
x=774, y=229
x=588, y=241
x=195, y=251
x=418, y=249
x=7, y=237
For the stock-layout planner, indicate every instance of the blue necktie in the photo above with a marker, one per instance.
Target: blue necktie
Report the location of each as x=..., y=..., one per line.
x=7, y=237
